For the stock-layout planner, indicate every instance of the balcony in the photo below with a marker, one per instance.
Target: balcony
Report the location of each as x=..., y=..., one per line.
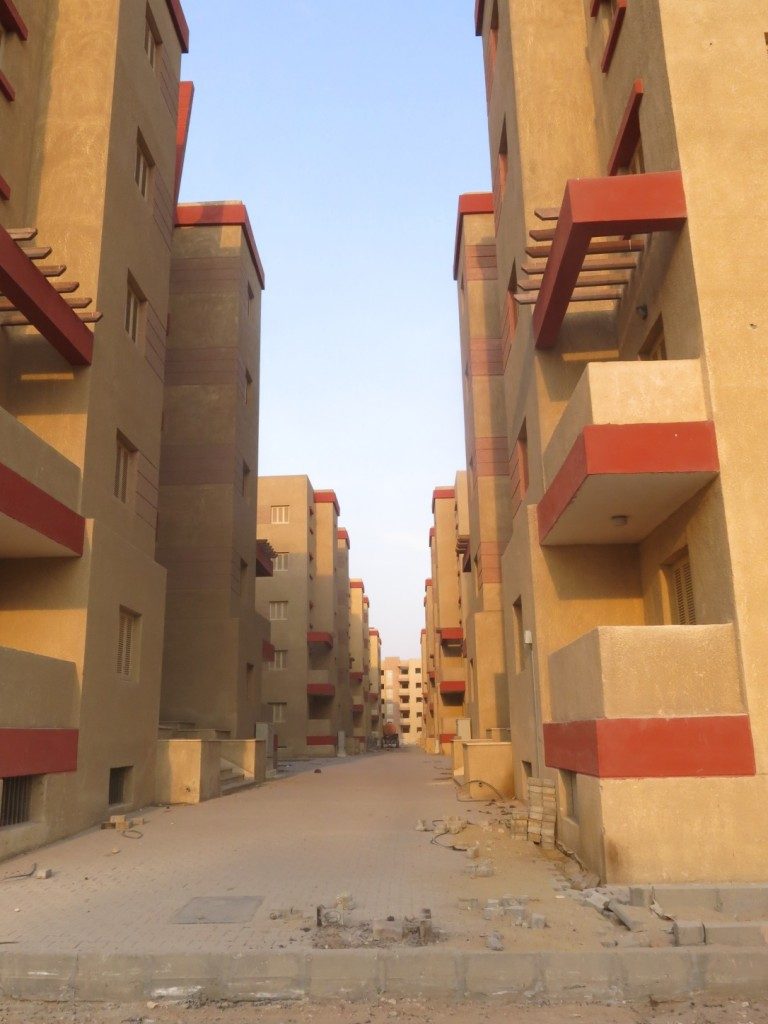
x=632, y=446
x=451, y=636
x=358, y=709
x=39, y=490
x=649, y=701
x=319, y=684
x=264, y=555
x=319, y=733
x=449, y=687
x=317, y=638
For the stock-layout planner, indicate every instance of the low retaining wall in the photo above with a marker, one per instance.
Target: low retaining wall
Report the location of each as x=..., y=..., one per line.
x=544, y=977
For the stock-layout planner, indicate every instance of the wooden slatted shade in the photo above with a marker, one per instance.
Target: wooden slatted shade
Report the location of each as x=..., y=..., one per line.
x=126, y=641
x=681, y=580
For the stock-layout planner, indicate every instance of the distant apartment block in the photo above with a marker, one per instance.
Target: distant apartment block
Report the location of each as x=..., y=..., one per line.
x=402, y=681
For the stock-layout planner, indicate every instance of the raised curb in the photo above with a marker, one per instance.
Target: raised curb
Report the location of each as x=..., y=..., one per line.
x=358, y=974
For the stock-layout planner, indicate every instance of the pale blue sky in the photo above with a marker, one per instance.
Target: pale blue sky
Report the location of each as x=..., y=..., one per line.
x=349, y=129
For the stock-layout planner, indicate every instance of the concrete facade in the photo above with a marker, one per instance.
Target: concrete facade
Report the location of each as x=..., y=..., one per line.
x=81, y=613
x=632, y=415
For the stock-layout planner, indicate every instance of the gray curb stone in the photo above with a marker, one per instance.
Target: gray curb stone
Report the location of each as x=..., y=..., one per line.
x=362, y=974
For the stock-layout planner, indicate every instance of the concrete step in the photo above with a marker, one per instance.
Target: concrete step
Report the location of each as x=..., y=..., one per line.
x=232, y=777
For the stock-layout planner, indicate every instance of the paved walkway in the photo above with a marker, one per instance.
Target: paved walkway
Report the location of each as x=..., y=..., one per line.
x=296, y=842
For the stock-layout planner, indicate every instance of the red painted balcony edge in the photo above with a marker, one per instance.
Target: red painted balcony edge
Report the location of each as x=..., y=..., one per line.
x=33, y=507
x=47, y=311
x=343, y=535
x=37, y=751
x=179, y=23
x=6, y=88
x=328, y=498
x=356, y=585
x=321, y=690
x=11, y=20
x=453, y=686
x=356, y=677
x=319, y=637
x=628, y=449
x=264, y=567
x=357, y=709
x=322, y=741
x=267, y=651
x=373, y=698
x=613, y=35
x=626, y=205
x=469, y=203
x=447, y=737
x=227, y=214
x=451, y=634
x=628, y=135
x=5, y=189
x=373, y=632
x=652, y=748
x=183, y=120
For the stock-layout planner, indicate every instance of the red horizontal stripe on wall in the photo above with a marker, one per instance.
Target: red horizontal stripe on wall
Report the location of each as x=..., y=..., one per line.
x=37, y=751
x=644, y=748
x=321, y=741
x=447, y=737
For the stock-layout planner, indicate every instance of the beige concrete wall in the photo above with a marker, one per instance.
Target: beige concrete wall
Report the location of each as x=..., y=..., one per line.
x=188, y=771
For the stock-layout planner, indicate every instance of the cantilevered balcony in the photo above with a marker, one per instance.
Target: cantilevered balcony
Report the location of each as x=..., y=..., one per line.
x=453, y=687
x=319, y=733
x=649, y=701
x=319, y=639
x=591, y=248
x=319, y=684
x=632, y=446
x=264, y=555
x=39, y=491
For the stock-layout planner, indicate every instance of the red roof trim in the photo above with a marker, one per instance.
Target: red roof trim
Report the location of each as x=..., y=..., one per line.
x=469, y=203
x=658, y=748
x=35, y=297
x=479, y=14
x=327, y=498
x=453, y=686
x=343, y=535
x=179, y=23
x=442, y=493
x=226, y=214
x=356, y=585
x=37, y=751
x=11, y=20
x=373, y=632
x=319, y=637
x=186, y=96
x=321, y=690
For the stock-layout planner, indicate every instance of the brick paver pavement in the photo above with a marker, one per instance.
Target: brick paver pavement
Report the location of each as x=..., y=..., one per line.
x=297, y=842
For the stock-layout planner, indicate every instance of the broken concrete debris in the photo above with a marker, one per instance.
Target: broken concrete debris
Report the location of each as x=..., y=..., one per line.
x=495, y=942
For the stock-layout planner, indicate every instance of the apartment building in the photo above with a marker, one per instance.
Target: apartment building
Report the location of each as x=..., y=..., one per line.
x=632, y=597
x=375, y=673
x=444, y=649
x=87, y=180
x=306, y=687
x=403, y=686
x=364, y=698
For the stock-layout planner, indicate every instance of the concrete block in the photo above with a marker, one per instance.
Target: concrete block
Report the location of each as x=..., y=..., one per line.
x=258, y=977
x=390, y=931
x=656, y=974
x=420, y=972
x=515, y=912
x=688, y=933
x=495, y=941
x=582, y=977
x=502, y=974
x=597, y=901
x=675, y=898
x=749, y=901
x=343, y=974
x=40, y=976
x=640, y=895
x=182, y=975
x=740, y=973
x=633, y=918
x=736, y=933
x=111, y=978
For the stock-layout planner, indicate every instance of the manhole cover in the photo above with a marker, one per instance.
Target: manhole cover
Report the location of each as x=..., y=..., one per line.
x=219, y=910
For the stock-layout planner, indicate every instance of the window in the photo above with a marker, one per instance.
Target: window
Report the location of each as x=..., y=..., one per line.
x=133, y=308
x=16, y=800
x=127, y=643
x=279, y=515
x=244, y=482
x=124, y=457
x=278, y=611
x=280, y=562
x=151, y=39
x=417, y=671
x=119, y=779
x=655, y=346
x=568, y=795
x=280, y=661
x=278, y=712
x=681, y=590
x=143, y=168
x=517, y=609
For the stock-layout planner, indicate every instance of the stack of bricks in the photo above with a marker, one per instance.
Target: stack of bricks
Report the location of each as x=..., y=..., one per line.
x=542, y=812
x=519, y=822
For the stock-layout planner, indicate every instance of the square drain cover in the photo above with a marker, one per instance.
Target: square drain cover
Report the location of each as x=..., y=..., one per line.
x=219, y=910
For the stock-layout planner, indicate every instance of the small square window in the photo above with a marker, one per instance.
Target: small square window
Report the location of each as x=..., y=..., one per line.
x=280, y=661
x=279, y=515
x=119, y=785
x=151, y=39
x=134, y=303
x=142, y=171
x=278, y=611
x=127, y=643
x=16, y=800
x=280, y=562
x=278, y=712
x=569, y=804
x=125, y=453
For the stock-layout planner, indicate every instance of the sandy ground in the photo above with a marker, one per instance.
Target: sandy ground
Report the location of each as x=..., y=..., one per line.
x=386, y=1011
